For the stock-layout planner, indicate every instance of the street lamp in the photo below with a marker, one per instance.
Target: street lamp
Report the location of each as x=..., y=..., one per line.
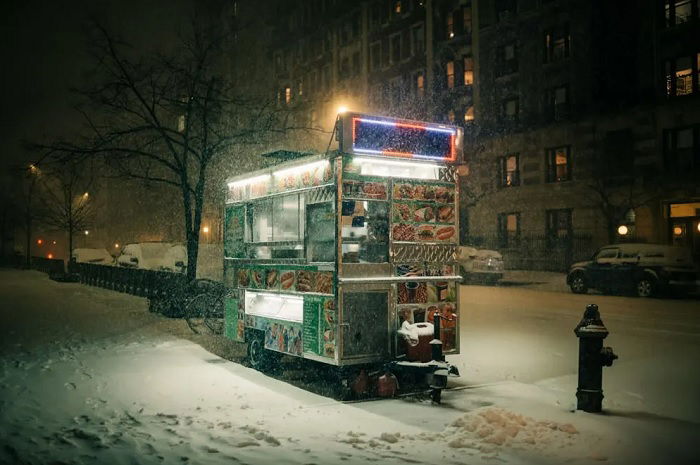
x=622, y=230
x=205, y=229
x=87, y=232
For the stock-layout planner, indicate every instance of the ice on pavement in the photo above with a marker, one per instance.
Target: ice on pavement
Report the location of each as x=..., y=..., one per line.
x=98, y=379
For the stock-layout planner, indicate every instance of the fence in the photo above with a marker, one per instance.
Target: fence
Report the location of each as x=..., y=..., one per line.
x=50, y=266
x=145, y=283
x=538, y=252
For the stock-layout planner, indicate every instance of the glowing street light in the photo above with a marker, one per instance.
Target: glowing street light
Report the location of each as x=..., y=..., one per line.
x=622, y=230
x=342, y=109
x=116, y=245
x=87, y=232
x=39, y=241
x=205, y=229
x=85, y=195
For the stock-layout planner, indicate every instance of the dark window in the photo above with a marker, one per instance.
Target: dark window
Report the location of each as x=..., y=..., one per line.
x=558, y=164
x=417, y=39
x=680, y=11
x=395, y=44
x=469, y=115
x=508, y=229
x=681, y=152
x=558, y=227
x=375, y=56
x=557, y=44
x=505, y=9
x=557, y=103
x=510, y=170
x=511, y=109
x=467, y=20
x=507, y=59
x=682, y=75
x=356, y=65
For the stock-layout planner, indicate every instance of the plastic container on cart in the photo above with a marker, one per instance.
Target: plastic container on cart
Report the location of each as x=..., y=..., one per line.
x=417, y=337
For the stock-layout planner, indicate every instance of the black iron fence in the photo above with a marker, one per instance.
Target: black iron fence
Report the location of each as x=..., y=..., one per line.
x=538, y=252
x=50, y=266
x=144, y=283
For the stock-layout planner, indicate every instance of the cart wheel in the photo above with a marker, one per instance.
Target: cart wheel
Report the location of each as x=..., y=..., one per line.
x=259, y=357
x=436, y=395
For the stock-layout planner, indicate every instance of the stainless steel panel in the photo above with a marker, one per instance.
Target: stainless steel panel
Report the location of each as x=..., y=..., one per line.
x=366, y=270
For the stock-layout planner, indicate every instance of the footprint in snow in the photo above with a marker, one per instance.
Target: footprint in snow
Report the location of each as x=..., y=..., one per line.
x=70, y=386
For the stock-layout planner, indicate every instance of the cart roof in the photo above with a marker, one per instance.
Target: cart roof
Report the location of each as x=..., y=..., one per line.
x=302, y=159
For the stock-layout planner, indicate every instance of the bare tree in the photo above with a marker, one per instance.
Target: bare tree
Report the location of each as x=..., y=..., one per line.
x=28, y=205
x=167, y=118
x=66, y=201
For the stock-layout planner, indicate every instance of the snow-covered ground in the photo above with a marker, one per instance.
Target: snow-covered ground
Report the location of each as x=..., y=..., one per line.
x=89, y=376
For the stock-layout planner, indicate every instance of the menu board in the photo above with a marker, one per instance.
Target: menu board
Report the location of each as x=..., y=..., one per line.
x=418, y=301
x=423, y=212
x=319, y=326
x=365, y=190
x=285, y=279
x=234, y=246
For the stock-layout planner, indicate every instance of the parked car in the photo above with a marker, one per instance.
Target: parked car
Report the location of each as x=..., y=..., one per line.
x=164, y=256
x=98, y=256
x=480, y=265
x=643, y=269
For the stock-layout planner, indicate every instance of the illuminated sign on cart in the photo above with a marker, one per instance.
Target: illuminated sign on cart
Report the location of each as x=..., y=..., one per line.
x=374, y=136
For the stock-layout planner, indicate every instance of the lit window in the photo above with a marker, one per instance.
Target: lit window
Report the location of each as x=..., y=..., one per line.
x=450, y=26
x=300, y=86
x=684, y=76
x=468, y=71
x=680, y=73
x=510, y=171
x=181, y=123
x=287, y=95
x=397, y=7
x=420, y=85
x=451, y=116
x=556, y=45
x=450, y=72
x=680, y=11
x=469, y=115
x=558, y=168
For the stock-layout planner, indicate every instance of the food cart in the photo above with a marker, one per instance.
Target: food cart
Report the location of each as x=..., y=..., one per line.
x=326, y=256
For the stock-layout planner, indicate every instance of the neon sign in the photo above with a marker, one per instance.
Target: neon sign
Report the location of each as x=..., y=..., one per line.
x=378, y=136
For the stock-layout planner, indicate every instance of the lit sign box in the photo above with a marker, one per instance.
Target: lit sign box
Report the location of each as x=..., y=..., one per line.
x=389, y=137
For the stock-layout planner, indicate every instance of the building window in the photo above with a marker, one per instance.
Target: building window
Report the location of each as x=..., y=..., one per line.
x=508, y=229
x=681, y=152
x=467, y=20
x=468, y=63
x=420, y=84
x=395, y=47
x=417, y=39
x=557, y=45
x=680, y=11
x=511, y=109
x=558, y=228
x=450, y=74
x=287, y=95
x=375, y=56
x=450, y=26
x=557, y=103
x=469, y=115
x=507, y=60
x=344, y=68
x=505, y=9
x=327, y=78
x=356, y=65
x=397, y=7
x=682, y=75
x=451, y=116
x=558, y=164
x=510, y=170
x=300, y=87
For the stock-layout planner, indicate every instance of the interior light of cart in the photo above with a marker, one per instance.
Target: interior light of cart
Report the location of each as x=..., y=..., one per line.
x=376, y=161
x=300, y=168
x=281, y=307
x=243, y=182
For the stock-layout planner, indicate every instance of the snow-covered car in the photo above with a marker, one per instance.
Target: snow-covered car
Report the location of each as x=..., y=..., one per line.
x=166, y=256
x=480, y=265
x=644, y=269
x=96, y=256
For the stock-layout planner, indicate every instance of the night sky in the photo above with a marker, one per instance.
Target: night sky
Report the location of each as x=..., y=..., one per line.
x=43, y=47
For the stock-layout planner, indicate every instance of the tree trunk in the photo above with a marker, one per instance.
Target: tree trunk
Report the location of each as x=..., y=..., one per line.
x=28, y=228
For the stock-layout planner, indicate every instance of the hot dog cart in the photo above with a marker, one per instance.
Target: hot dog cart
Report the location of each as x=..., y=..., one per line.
x=327, y=256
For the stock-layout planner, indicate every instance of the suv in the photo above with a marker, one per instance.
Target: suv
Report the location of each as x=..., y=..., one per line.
x=645, y=269
x=480, y=265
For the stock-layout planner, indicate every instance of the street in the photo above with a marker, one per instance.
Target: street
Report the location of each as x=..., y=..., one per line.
x=89, y=376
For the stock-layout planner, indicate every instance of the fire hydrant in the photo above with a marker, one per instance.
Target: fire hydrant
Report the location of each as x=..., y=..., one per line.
x=592, y=357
